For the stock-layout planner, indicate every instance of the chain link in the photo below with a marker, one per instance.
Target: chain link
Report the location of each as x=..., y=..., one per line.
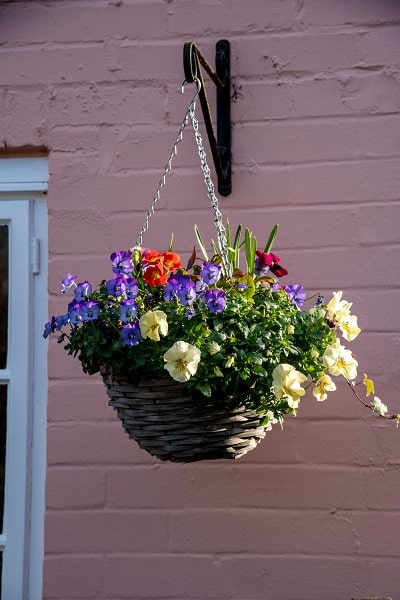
x=221, y=233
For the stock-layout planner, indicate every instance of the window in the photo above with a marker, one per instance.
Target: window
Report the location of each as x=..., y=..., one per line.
x=23, y=375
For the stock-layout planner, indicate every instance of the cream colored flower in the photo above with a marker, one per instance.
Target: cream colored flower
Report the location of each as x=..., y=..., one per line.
x=182, y=360
x=338, y=309
x=153, y=324
x=340, y=361
x=378, y=406
x=286, y=383
x=349, y=327
x=323, y=385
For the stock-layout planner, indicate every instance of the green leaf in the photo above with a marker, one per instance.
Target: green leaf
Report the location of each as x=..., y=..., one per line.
x=271, y=239
x=205, y=389
x=200, y=241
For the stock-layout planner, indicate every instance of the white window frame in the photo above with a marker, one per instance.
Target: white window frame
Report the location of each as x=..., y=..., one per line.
x=23, y=183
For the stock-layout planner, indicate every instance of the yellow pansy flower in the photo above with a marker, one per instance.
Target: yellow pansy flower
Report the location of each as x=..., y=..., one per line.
x=286, y=383
x=182, y=360
x=323, y=385
x=340, y=361
x=153, y=324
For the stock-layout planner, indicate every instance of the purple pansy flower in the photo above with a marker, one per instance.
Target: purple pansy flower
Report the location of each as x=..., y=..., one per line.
x=174, y=284
x=127, y=310
x=296, y=294
x=68, y=282
x=130, y=334
x=132, y=288
x=216, y=300
x=187, y=294
x=82, y=291
x=89, y=310
x=121, y=262
x=116, y=287
x=74, y=312
x=210, y=273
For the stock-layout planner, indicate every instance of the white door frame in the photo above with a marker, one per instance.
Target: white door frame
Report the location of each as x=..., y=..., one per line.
x=23, y=182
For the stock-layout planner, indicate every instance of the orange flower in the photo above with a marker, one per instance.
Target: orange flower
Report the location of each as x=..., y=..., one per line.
x=171, y=260
x=154, y=275
x=152, y=257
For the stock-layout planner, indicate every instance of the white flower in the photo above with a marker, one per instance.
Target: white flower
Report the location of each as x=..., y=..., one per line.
x=378, y=406
x=182, y=360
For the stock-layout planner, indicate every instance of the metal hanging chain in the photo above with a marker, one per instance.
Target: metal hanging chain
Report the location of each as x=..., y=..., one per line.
x=167, y=168
x=221, y=233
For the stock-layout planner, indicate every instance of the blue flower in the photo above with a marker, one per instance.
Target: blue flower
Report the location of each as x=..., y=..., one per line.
x=130, y=334
x=117, y=286
x=89, y=310
x=121, y=262
x=216, y=300
x=210, y=273
x=127, y=310
x=68, y=282
x=82, y=291
x=296, y=294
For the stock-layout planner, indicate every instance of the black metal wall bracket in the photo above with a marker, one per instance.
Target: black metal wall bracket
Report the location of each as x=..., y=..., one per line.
x=220, y=146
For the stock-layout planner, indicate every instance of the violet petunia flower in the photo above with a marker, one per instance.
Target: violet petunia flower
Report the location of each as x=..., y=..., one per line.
x=210, y=273
x=296, y=294
x=216, y=300
x=130, y=334
x=68, y=282
x=121, y=262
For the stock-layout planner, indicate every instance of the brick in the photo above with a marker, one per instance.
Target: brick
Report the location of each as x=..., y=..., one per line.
x=80, y=576
x=101, y=21
x=99, y=531
x=92, y=104
x=75, y=488
x=317, y=141
x=345, y=442
x=26, y=24
x=93, y=443
x=35, y=64
x=381, y=487
x=168, y=486
x=337, y=183
x=301, y=53
x=294, y=577
x=264, y=531
x=289, y=487
x=82, y=400
x=353, y=12
x=230, y=19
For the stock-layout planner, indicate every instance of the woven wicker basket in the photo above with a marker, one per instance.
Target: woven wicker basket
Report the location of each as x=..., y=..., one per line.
x=168, y=423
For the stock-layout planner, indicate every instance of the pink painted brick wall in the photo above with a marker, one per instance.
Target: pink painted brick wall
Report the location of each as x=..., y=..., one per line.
x=313, y=513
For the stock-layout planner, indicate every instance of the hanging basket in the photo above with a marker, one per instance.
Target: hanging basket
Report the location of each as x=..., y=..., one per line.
x=167, y=422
